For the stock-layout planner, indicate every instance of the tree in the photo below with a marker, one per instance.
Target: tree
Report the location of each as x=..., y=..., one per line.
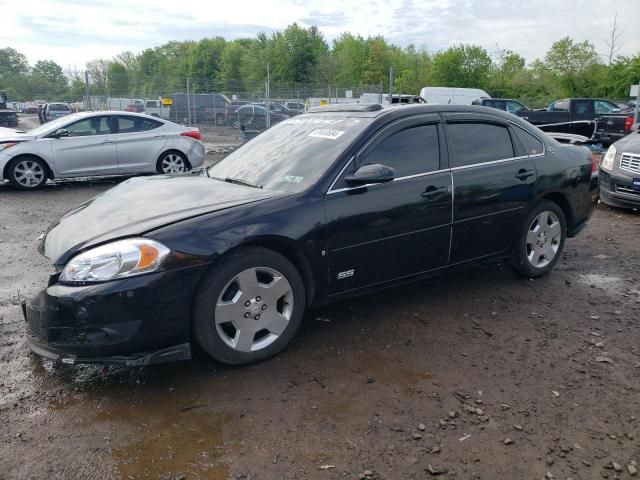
x=97, y=70
x=461, y=66
x=614, y=44
x=48, y=80
x=574, y=65
x=117, y=80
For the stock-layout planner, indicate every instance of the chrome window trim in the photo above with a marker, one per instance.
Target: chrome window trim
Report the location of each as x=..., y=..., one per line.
x=511, y=122
x=408, y=177
x=492, y=162
x=452, y=169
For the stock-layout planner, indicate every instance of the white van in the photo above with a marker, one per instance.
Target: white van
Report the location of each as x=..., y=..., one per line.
x=452, y=96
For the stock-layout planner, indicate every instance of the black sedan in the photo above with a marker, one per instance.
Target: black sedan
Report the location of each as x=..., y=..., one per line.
x=620, y=173
x=254, y=117
x=323, y=206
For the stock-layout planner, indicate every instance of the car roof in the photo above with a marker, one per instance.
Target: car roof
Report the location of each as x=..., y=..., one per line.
x=115, y=112
x=370, y=110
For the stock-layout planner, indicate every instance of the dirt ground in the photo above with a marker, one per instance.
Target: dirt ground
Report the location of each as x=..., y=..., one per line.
x=478, y=374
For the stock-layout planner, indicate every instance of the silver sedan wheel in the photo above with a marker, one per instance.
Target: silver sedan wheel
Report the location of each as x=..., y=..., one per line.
x=543, y=239
x=28, y=173
x=254, y=309
x=172, y=163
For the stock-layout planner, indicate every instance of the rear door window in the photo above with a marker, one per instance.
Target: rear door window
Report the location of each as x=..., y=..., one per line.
x=136, y=124
x=476, y=142
x=602, y=107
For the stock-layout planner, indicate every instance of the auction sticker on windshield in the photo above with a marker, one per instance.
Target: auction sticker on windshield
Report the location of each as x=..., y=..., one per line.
x=326, y=133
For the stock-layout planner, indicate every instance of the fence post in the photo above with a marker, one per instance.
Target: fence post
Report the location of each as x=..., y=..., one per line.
x=267, y=91
x=188, y=104
x=391, y=85
x=87, y=92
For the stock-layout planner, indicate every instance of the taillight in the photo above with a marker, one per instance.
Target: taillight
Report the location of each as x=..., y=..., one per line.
x=594, y=164
x=628, y=123
x=193, y=134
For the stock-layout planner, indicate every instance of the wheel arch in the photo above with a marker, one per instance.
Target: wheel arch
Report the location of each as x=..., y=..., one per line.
x=281, y=245
x=561, y=200
x=5, y=171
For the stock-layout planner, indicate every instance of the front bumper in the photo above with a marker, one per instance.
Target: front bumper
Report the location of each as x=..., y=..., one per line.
x=134, y=321
x=616, y=189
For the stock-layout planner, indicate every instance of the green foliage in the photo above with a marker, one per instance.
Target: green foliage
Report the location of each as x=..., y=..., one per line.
x=299, y=57
x=466, y=66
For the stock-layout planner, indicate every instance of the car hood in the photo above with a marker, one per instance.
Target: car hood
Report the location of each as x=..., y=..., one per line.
x=11, y=135
x=629, y=144
x=139, y=205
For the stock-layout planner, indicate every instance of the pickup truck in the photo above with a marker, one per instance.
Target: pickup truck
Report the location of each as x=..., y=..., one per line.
x=597, y=119
x=505, y=104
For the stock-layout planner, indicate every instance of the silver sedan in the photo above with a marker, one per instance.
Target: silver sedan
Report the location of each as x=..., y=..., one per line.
x=97, y=143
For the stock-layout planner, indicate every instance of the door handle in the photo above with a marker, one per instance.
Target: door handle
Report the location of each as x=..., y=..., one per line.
x=524, y=174
x=432, y=191
x=158, y=136
x=107, y=141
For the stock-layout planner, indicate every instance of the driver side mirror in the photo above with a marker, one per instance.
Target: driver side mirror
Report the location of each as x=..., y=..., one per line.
x=61, y=132
x=371, y=173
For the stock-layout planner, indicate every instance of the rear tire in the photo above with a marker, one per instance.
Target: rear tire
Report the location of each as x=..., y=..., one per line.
x=172, y=162
x=541, y=240
x=27, y=172
x=249, y=306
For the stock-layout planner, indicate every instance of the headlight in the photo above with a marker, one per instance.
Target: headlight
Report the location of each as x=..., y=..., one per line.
x=609, y=157
x=4, y=146
x=123, y=258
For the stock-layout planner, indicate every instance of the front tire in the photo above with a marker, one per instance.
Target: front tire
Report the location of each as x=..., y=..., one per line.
x=540, y=243
x=249, y=306
x=27, y=173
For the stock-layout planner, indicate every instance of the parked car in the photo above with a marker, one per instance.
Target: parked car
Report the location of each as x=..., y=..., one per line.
x=51, y=111
x=594, y=118
x=203, y=107
x=31, y=107
x=452, y=96
x=505, y=104
x=254, y=117
x=297, y=107
x=156, y=109
x=319, y=208
x=620, y=173
x=98, y=143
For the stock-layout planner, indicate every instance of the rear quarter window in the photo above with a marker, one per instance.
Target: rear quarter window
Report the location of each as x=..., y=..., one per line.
x=532, y=145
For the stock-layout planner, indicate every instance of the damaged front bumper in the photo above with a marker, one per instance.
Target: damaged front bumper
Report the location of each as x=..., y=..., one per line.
x=135, y=321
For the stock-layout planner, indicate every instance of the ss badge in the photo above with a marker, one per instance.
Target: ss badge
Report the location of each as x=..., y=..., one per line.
x=347, y=274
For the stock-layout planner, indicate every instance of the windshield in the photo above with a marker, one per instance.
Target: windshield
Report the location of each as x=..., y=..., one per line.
x=53, y=125
x=292, y=155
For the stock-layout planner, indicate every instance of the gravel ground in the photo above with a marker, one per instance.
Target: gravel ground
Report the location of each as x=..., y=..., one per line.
x=477, y=373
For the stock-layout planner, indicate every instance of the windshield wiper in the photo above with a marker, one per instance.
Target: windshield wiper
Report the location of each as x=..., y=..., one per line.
x=240, y=181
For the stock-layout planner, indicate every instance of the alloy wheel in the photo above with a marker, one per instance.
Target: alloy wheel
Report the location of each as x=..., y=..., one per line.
x=543, y=239
x=254, y=309
x=29, y=173
x=173, y=163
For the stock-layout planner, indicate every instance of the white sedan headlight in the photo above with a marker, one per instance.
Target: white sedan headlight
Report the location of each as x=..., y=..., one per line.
x=123, y=258
x=609, y=157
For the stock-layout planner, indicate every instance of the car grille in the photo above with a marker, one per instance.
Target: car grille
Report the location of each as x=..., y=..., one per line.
x=625, y=189
x=34, y=322
x=630, y=162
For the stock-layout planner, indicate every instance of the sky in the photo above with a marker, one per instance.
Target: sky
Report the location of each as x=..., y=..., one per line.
x=72, y=32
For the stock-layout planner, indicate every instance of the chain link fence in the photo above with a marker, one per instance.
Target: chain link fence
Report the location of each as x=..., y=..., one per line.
x=222, y=108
